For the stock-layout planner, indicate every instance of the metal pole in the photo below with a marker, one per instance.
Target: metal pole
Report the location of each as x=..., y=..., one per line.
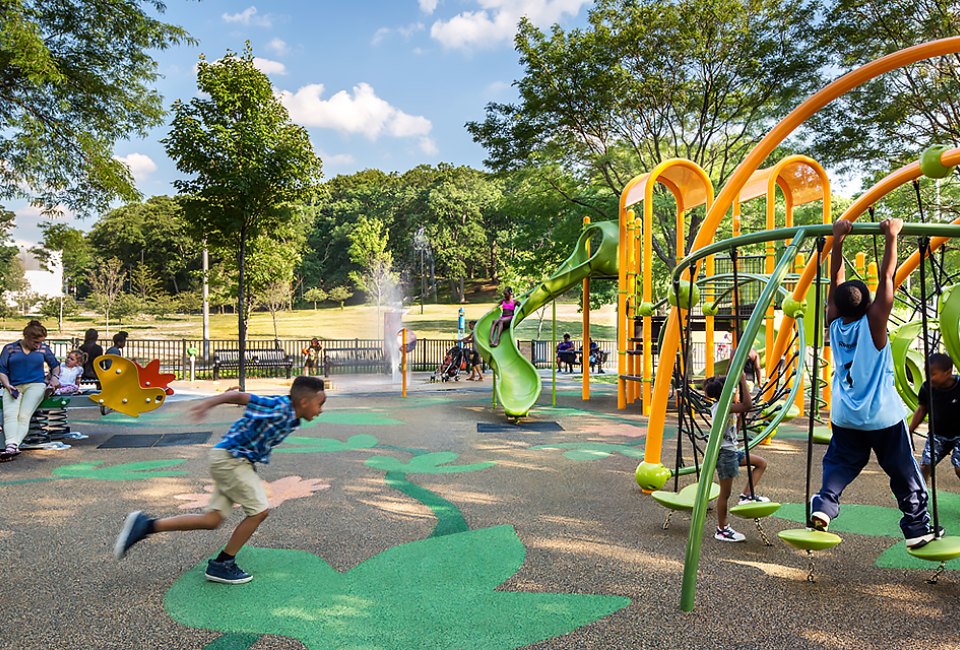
x=585, y=345
x=206, y=302
x=403, y=361
x=553, y=362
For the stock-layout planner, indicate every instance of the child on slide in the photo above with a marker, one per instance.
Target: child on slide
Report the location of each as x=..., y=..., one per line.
x=731, y=457
x=507, y=308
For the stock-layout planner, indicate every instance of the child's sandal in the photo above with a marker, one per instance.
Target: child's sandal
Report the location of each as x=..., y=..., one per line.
x=11, y=452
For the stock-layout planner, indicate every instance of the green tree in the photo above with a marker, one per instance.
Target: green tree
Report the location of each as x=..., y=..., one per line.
x=315, y=295
x=456, y=202
x=340, y=295
x=887, y=122
x=59, y=307
x=154, y=233
x=11, y=274
x=647, y=81
x=67, y=246
x=75, y=78
x=368, y=249
x=126, y=307
x=248, y=163
x=275, y=297
x=106, y=284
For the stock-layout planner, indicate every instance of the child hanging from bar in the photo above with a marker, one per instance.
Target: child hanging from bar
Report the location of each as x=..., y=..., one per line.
x=867, y=413
x=946, y=401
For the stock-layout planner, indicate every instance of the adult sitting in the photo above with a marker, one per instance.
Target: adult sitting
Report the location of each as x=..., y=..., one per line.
x=93, y=350
x=119, y=342
x=22, y=376
x=566, y=354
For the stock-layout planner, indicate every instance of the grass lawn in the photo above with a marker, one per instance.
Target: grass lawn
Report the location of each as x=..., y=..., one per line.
x=437, y=321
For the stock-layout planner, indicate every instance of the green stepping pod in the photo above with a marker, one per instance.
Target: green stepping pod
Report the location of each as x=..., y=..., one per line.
x=809, y=540
x=684, y=499
x=939, y=550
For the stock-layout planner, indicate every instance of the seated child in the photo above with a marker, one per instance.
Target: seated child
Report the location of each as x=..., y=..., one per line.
x=70, y=373
x=946, y=421
x=731, y=456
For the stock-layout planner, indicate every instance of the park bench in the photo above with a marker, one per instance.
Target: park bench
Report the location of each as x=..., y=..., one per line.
x=224, y=359
x=365, y=358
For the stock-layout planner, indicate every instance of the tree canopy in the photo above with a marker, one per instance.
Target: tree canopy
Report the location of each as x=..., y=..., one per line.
x=75, y=77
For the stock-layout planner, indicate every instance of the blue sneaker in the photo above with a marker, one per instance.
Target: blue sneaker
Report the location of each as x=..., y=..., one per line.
x=226, y=572
x=134, y=529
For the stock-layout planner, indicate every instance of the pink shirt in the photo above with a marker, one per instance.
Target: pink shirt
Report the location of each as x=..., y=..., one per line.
x=508, y=306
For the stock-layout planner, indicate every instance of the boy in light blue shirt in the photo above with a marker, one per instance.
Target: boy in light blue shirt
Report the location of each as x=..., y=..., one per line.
x=867, y=413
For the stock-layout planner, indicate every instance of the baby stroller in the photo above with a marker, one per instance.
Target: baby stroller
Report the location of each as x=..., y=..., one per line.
x=453, y=362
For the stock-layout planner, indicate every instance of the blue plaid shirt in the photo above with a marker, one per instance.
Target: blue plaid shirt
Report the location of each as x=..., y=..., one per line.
x=264, y=425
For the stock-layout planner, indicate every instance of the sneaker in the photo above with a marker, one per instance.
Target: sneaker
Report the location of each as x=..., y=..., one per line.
x=728, y=535
x=819, y=522
x=226, y=572
x=923, y=540
x=746, y=498
x=134, y=529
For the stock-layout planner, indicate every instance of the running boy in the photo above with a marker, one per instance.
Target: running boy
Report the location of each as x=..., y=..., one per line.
x=867, y=412
x=265, y=423
x=946, y=403
x=731, y=456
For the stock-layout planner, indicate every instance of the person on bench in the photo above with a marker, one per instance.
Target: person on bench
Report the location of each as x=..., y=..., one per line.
x=566, y=354
x=24, y=383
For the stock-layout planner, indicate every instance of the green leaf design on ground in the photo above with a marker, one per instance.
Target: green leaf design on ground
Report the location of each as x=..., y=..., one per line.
x=593, y=450
x=139, y=471
x=433, y=593
x=434, y=463
x=305, y=445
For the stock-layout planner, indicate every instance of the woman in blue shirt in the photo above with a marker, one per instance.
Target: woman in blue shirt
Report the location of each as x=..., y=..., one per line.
x=23, y=378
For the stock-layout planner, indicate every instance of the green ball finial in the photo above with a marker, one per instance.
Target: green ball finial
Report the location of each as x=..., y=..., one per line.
x=652, y=476
x=930, y=163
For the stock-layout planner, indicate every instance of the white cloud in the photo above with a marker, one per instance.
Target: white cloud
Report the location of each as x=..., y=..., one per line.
x=428, y=146
x=279, y=47
x=405, y=31
x=428, y=6
x=379, y=35
x=497, y=87
x=249, y=17
x=359, y=111
x=268, y=66
x=496, y=21
x=336, y=159
x=141, y=165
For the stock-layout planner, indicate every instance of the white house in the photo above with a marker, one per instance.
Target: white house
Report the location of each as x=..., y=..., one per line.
x=46, y=284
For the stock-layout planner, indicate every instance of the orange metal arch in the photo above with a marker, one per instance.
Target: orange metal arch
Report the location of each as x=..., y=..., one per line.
x=740, y=176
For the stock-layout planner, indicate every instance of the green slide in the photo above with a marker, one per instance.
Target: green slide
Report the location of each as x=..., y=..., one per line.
x=518, y=382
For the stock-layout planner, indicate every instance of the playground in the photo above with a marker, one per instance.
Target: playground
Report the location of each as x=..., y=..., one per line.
x=537, y=508
x=426, y=522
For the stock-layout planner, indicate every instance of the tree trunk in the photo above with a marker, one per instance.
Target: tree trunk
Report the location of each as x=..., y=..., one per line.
x=276, y=334
x=241, y=307
x=493, y=261
x=461, y=293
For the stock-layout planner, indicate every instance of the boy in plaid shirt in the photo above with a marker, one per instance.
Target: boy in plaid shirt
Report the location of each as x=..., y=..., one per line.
x=265, y=423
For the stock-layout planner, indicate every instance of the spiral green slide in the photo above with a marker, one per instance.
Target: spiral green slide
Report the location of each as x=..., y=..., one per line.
x=518, y=383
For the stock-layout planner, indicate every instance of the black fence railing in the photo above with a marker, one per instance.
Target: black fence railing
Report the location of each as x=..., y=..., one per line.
x=175, y=354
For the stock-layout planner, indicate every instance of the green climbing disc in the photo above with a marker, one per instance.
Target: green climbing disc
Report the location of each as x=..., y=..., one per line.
x=939, y=550
x=809, y=540
x=684, y=499
x=755, y=509
x=822, y=435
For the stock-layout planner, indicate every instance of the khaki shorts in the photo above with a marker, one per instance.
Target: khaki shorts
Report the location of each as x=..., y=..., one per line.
x=235, y=482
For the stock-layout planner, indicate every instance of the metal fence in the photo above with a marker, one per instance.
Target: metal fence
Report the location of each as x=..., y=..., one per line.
x=175, y=354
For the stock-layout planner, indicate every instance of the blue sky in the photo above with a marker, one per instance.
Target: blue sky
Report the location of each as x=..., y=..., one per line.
x=385, y=85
